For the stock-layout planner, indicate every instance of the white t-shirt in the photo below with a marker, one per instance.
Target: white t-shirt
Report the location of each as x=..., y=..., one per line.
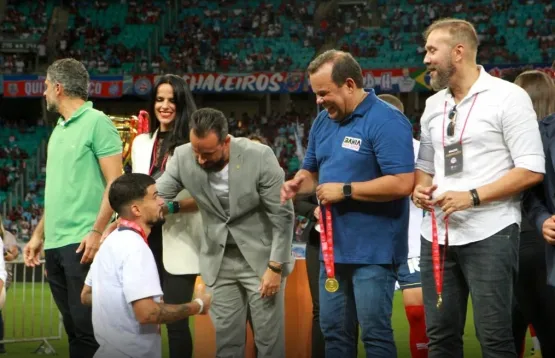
x=123, y=271
x=219, y=181
x=415, y=218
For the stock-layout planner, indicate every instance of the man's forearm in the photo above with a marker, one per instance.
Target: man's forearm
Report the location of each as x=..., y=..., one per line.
x=105, y=214
x=383, y=189
x=166, y=313
x=511, y=184
x=422, y=178
x=310, y=181
x=39, y=230
x=188, y=205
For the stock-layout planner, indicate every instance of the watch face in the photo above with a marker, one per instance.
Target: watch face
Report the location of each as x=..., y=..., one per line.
x=347, y=189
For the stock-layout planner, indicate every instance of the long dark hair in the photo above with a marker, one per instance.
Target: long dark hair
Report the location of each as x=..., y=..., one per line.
x=184, y=107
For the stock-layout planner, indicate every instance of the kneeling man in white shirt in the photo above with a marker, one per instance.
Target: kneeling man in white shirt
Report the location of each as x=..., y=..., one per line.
x=126, y=300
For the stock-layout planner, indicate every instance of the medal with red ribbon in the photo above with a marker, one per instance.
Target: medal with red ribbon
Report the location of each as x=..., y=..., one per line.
x=126, y=224
x=326, y=240
x=438, y=264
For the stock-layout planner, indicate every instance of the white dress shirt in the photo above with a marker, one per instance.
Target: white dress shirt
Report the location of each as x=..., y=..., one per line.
x=501, y=134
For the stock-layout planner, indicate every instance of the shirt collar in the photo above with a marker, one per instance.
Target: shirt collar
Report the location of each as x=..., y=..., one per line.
x=362, y=108
x=483, y=83
x=84, y=107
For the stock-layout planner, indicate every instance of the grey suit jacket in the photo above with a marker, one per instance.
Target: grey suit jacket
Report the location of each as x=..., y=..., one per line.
x=259, y=224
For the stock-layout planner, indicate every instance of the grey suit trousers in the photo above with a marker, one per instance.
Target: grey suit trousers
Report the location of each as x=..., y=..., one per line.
x=236, y=287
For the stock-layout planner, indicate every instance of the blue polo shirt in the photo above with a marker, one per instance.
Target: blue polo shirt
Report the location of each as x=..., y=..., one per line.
x=373, y=141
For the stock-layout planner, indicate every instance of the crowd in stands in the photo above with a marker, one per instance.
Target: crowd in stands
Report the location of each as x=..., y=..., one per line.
x=271, y=35
x=21, y=220
x=284, y=133
x=18, y=137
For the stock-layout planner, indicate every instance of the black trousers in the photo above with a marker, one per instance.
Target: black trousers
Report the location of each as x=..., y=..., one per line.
x=177, y=289
x=66, y=276
x=534, y=298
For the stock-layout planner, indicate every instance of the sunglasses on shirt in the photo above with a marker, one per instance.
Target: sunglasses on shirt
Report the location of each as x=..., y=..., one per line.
x=453, y=118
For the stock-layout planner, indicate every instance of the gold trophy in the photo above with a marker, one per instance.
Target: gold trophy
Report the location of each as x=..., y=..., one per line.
x=127, y=129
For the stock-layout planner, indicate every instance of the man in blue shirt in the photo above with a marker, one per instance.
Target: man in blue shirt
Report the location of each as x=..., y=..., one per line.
x=360, y=162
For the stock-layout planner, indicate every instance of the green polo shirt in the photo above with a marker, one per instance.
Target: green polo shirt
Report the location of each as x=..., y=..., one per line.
x=74, y=180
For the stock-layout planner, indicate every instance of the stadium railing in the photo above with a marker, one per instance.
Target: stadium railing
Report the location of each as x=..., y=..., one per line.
x=30, y=313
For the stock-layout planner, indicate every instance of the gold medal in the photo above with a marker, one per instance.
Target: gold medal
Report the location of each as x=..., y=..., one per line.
x=332, y=285
x=439, y=301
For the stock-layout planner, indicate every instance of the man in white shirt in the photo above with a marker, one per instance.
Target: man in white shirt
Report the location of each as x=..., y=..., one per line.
x=123, y=285
x=475, y=196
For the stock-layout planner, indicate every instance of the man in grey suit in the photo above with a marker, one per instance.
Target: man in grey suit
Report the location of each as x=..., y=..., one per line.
x=247, y=252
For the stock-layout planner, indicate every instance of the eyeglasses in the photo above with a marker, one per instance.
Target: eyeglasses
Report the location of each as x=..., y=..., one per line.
x=453, y=119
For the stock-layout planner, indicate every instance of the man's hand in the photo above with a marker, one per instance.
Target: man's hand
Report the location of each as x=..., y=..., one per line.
x=32, y=250
x=270, y=283
x=330, y=193
x=548, y=230
x=200, y=292
x=110, y=229
x=90, y=244
x=422, y=196
x=290, y=188
x=452, y=201
x=317, y=213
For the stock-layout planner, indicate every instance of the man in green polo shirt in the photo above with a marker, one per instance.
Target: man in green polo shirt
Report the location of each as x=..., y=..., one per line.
x=84, y=157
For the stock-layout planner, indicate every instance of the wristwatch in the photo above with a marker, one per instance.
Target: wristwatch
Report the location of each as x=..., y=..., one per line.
x=347, y=190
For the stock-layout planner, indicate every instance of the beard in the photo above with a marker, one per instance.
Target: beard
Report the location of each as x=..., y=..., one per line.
x=159, y=221
x=213, y=166
x=51, y=107
x=443, y=75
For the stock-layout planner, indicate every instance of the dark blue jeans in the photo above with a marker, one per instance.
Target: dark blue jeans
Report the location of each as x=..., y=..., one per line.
x=66, y=276
x=487, y=271
x=365, y=296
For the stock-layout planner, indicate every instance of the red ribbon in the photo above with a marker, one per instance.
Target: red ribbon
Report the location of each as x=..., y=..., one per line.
x=326, y=240
x=124, y=223
x=438, y=264
x=153, y=158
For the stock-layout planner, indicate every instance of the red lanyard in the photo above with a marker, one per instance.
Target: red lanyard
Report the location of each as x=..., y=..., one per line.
x=153, y=158
x=123, y=223
x=466, y=121
x=326, y=241
x=438, y=265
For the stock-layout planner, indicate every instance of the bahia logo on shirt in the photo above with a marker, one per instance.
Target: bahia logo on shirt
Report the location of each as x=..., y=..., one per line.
x=352, y=143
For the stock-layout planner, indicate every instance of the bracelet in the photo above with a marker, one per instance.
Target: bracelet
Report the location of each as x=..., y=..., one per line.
x=475, y=197
x=200, y=303
x=171, y=208
x=94, y=230
x=275, y=269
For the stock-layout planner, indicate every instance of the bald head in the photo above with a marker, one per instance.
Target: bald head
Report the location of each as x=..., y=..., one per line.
x=392, y=100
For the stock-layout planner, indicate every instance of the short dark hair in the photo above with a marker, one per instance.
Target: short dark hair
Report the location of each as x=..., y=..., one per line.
x=184, y=107
x=72, y=75
x=128, y=188
x=344, y=66
x=206, y=120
